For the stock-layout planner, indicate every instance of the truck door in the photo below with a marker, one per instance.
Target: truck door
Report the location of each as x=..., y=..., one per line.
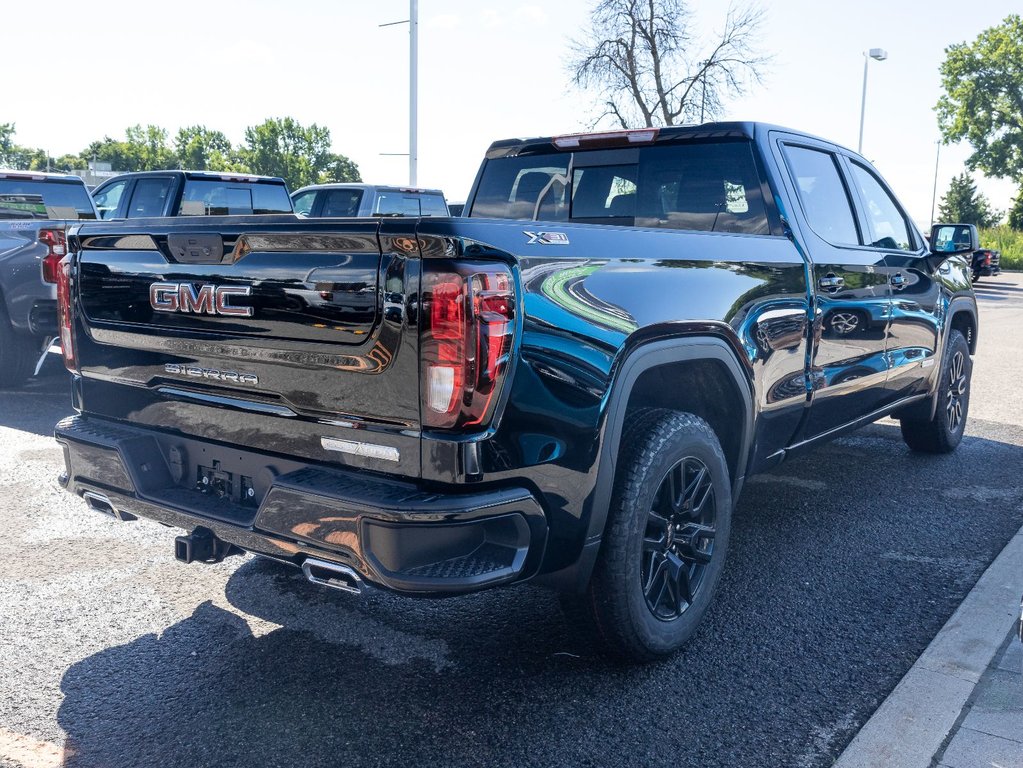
x=915, y=317
x=851, y=295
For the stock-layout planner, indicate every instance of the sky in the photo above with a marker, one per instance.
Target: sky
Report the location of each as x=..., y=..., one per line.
x=487, y=70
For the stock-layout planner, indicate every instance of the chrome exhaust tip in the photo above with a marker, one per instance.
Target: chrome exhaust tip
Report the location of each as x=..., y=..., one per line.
x=333, y=575
x=100, y=503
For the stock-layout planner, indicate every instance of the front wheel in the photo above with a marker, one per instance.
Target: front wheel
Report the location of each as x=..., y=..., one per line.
x=666, y=539
x=944, y=432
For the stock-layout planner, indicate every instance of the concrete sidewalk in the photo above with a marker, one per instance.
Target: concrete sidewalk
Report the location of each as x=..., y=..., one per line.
x=961, y=704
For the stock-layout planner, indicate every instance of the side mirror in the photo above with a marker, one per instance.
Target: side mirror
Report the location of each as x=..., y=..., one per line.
x=951, y=239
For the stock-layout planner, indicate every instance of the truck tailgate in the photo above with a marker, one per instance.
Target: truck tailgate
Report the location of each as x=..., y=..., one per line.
x=257, y=333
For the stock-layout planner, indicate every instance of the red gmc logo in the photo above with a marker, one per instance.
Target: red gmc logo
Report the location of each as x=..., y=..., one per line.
x=206, y=300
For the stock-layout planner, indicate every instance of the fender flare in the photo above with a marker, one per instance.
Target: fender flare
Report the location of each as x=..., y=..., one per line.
x=642, y=359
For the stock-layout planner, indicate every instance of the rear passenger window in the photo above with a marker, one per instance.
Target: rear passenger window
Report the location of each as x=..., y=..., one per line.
x=341, y=202
x=823, y=195
x=885, y=222
x=149, y=198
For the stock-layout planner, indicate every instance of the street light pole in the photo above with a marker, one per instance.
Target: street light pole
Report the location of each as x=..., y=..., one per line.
x=413, y=89
x=934, y=194
x=878, y=54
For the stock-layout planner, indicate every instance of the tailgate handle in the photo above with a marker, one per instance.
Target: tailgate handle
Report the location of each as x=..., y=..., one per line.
x=196, y=248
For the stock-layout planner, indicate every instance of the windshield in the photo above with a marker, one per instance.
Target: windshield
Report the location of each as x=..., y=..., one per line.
x=44, y=199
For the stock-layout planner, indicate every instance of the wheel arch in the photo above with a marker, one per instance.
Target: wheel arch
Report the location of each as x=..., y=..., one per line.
x=641, y=373
x=962, y=317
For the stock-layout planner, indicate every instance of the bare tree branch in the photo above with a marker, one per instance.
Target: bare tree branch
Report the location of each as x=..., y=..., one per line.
x=643, y=61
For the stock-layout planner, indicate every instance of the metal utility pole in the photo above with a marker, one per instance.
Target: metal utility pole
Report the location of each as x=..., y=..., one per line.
x=413, y=89
x=878, y=54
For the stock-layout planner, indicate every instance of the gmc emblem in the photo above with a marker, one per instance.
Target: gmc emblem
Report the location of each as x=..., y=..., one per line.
x=207, y=300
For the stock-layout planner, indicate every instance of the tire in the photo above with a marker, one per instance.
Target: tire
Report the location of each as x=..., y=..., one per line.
x=976, y=277
x=17, y=354
x=660, y=562
x=944, y=432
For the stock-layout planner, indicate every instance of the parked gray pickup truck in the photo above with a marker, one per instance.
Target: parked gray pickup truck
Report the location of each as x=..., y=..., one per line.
x=35, y=209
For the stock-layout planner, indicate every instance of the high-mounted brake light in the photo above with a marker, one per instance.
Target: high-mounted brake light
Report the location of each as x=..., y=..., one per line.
x=607, y=139
x=56, y=241
x=65, y=315
x=467, y=331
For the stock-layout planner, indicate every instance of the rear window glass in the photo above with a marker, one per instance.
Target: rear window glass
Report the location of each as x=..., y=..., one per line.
x=398, y=203
x=212, y=197
x=20, y=198
x=712, y=187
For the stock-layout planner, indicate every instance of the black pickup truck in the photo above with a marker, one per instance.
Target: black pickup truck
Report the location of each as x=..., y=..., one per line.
x=568, y=386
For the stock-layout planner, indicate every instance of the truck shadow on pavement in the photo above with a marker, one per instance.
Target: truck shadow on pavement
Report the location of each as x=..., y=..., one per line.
x=841, y=572
x=39, y=403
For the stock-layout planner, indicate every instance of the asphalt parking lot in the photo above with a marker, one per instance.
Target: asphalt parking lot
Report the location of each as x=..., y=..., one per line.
x=844, y=565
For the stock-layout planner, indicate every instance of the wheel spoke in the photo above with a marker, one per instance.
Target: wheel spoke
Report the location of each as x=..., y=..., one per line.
x=658, y=566
x=678, y=572
x=694, y=486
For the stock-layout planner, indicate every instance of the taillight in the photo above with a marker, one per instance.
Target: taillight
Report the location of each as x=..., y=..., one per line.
x=56, y=242
x=466, y=338
x=65, y=315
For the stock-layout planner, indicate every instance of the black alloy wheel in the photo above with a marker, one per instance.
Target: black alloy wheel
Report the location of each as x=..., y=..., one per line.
x=958, y=386
x=666, y=537
x=943, y=431
x=679, y=541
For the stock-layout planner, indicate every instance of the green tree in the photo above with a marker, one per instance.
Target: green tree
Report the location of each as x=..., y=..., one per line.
x=201, y=149
x=298, y=154
x=340, y=168
x=648, y=65
x=1015, y=220
x=149, y=148
x=963, y=203
x=7, y=145
x=144, y=149
x=983, y=99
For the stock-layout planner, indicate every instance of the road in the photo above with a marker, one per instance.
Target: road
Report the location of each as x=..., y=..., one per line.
x=845, y=563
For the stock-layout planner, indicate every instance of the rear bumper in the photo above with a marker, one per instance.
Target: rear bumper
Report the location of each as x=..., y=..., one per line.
x=394, y=535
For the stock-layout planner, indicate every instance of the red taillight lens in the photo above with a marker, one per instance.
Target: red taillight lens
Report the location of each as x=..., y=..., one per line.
x=65, y=316
x=466, y=339
x=56, y=241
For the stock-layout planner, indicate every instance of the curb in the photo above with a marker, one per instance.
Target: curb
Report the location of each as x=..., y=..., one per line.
x=911, y=725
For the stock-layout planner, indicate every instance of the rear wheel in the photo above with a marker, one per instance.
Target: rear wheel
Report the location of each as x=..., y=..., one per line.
x=944, y=432
x=17, y=354
x=666, y=539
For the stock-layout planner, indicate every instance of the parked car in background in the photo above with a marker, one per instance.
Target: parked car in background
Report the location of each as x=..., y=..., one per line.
x=190, y=193
x=985, y=262
x=35, y=209
x=352, y=200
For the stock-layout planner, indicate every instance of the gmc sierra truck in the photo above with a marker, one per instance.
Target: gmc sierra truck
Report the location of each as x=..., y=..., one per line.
x=35, y=209
x=569, y=386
